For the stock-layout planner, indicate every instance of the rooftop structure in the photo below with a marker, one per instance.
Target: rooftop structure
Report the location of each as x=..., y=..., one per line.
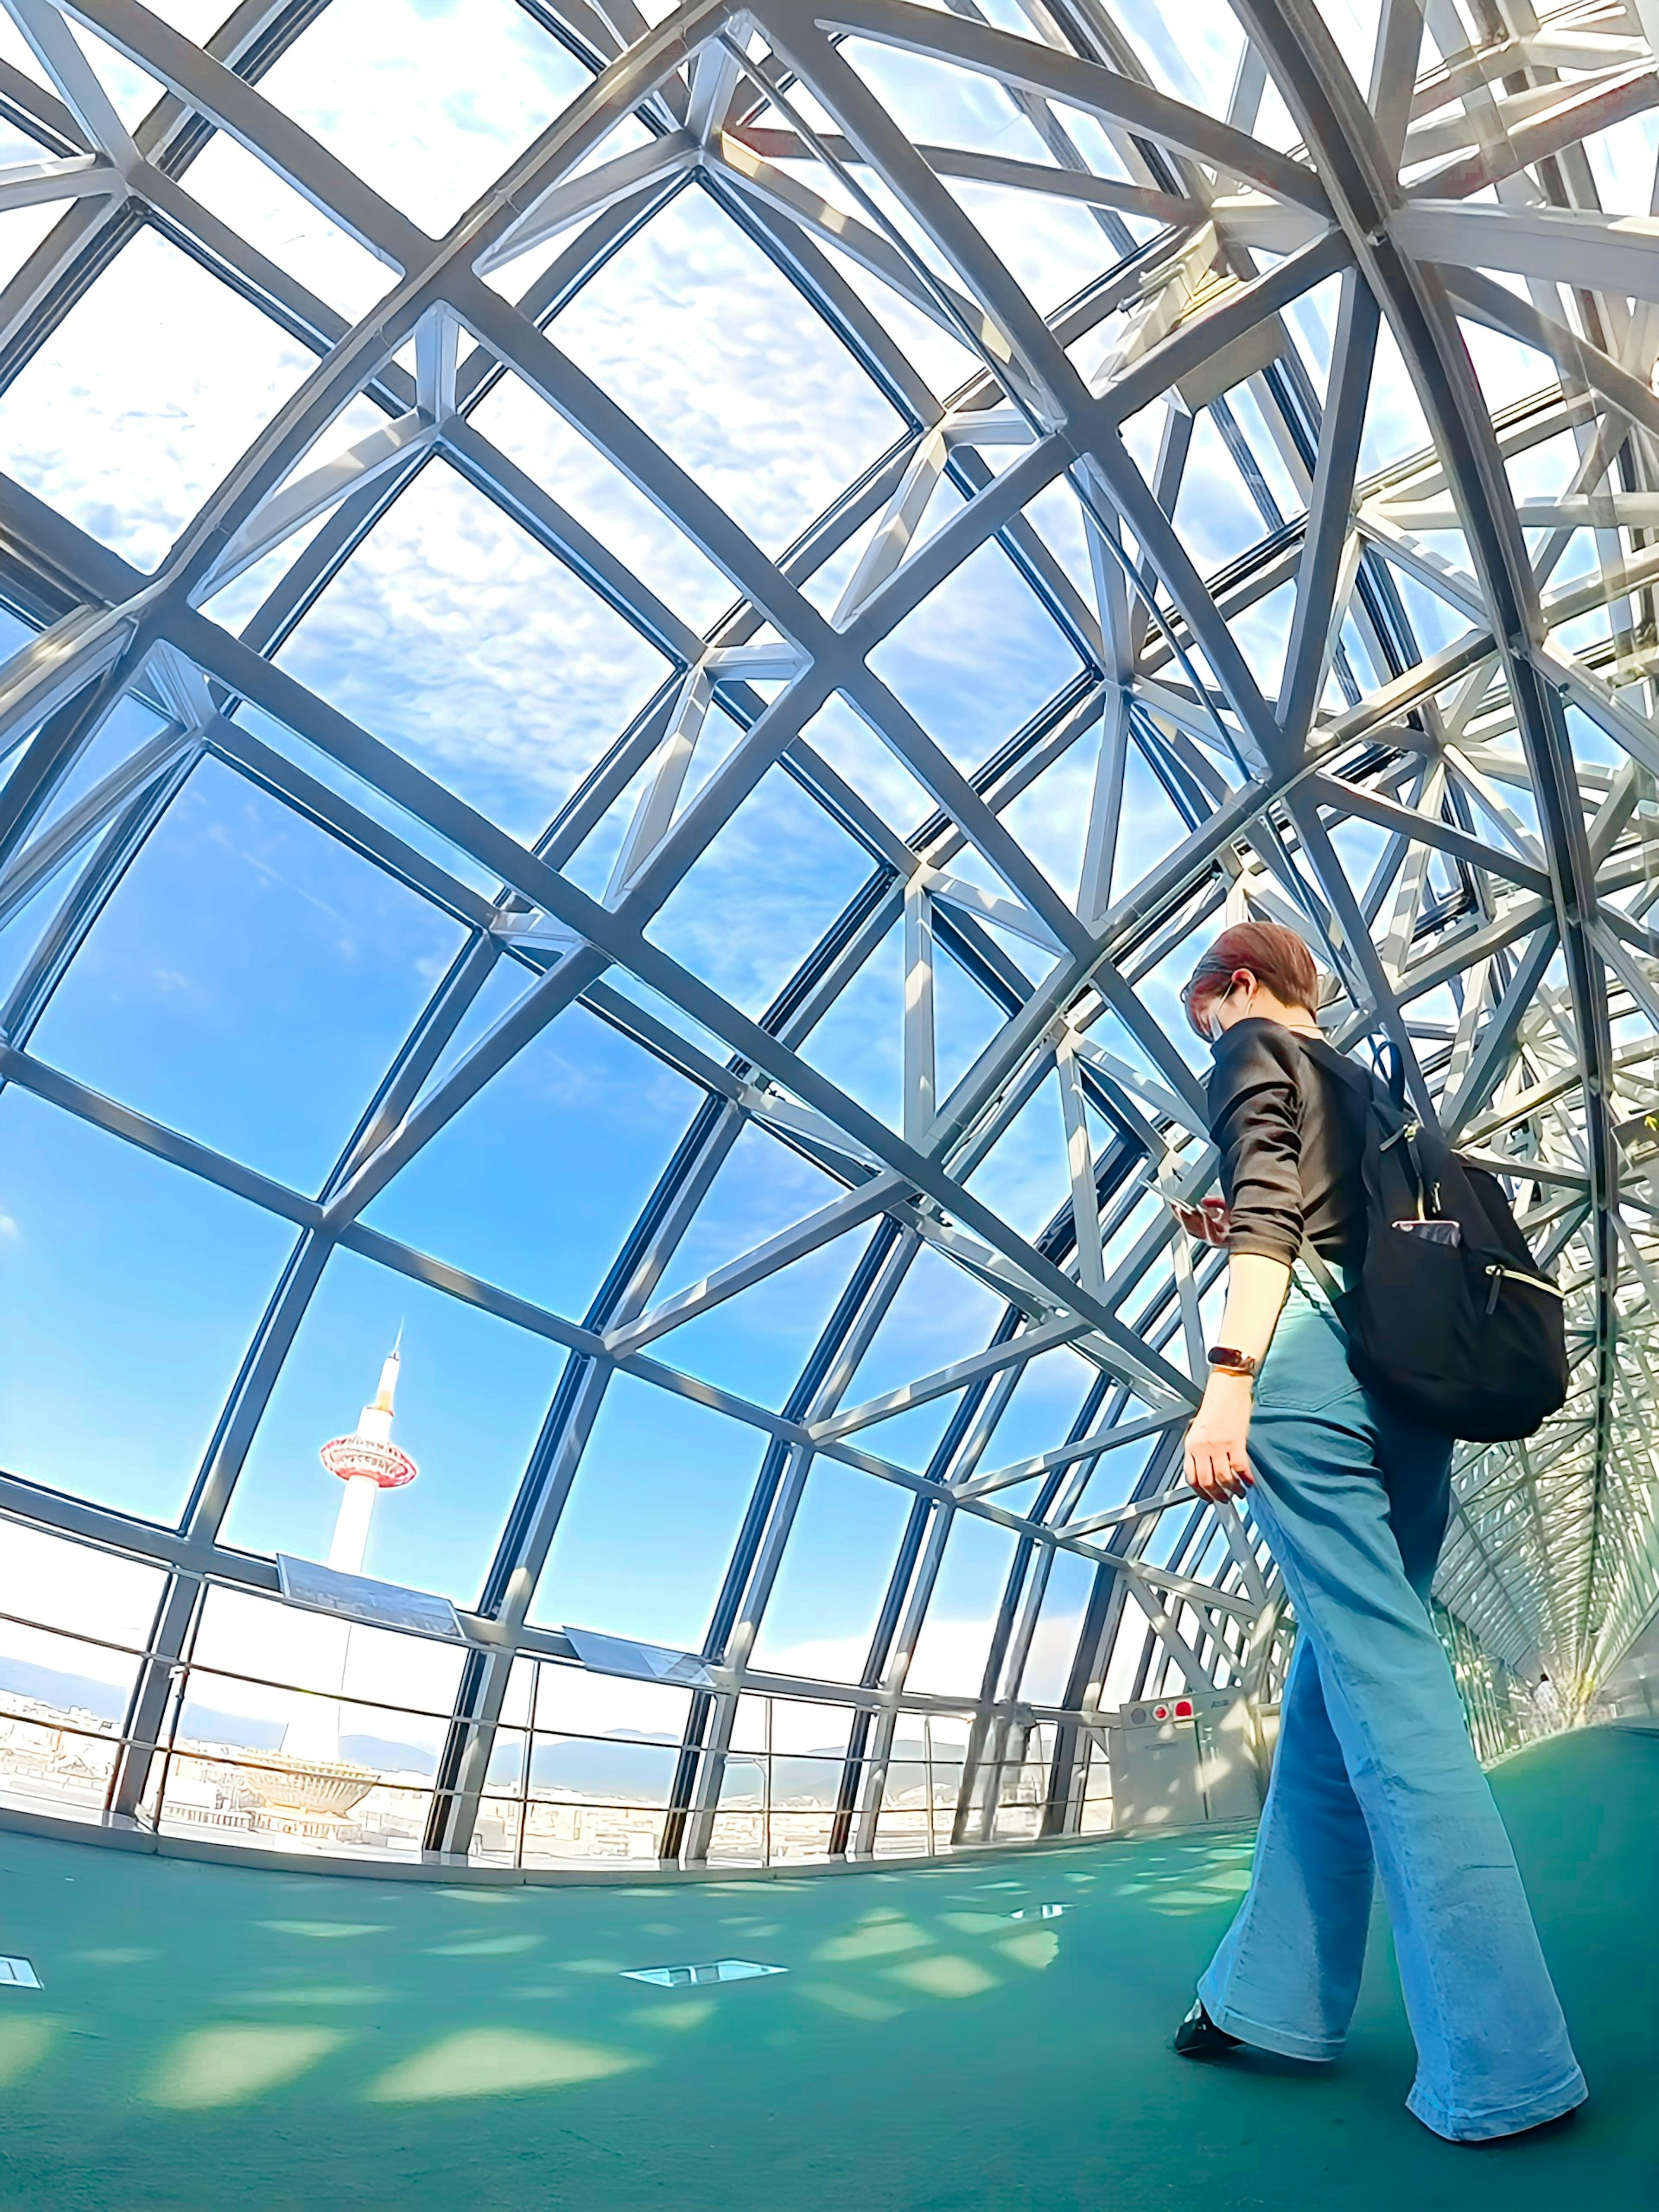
x=635, y=656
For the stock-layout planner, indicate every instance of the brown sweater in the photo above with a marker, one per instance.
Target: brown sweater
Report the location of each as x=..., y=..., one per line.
x=1291, y=1138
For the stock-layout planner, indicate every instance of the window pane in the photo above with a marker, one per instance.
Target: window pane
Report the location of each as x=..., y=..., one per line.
x=1060, y=1625
x=451, y=635
x=578, y=1767
x=840, y=1555
x=428, y=99
x=956, y=1637
x=128, y=1296
x=62, y=1585
x=249, y=982
x=648, y=1531
x=741, y=382
x=593, y=1119
x=139, y=402
x=62, y=1703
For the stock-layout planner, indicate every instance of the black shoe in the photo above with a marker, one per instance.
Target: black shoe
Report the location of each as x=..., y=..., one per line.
x=1198, y=2036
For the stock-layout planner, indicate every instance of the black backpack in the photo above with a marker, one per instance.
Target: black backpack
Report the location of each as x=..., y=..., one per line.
x=1451, y=1318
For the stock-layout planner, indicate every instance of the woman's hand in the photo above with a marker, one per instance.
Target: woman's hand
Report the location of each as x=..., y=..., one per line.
x=1208, y=1220
x=1217, y=1466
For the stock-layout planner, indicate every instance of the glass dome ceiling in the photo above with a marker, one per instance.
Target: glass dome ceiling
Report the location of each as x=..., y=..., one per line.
x=636, y=654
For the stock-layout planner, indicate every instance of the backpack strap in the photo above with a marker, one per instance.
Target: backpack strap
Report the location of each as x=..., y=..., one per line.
x=1323, y=1277
x=1409, y=1129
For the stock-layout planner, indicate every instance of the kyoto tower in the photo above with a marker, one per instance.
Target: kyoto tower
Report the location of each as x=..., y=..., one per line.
x=309, y=1775
x=367, y=1462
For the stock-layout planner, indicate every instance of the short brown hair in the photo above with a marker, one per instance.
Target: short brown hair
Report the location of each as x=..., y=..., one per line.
x=1275, y=956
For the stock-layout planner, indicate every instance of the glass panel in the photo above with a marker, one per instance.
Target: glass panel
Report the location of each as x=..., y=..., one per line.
x=22, y=230
x=557, y=1832
x=587, y=485
x=498, y=1834
x=1059, y=1623
x=58, y=1583
x=140, y=400
x=743, y=1784
x=575, y=1769
x=506, y=1761
x=800, y=1836
x=840, y=1553
x=271, y=1643
x=453, y=636
x=757, y=1342
x=128, y=1296
x=970, y=703
x=738, y=1840
x=61, y=1704
x=956, y=1636
x=786, y=1725
x=594, y=1120
x=296, y=1730
x=763, y=894
x=575, y=1702
x=297, y=236
x=646, y=1539
x=249, y=982
x=806, y=1785
x=428, y=99
x=267, y=1803
x=721, y=361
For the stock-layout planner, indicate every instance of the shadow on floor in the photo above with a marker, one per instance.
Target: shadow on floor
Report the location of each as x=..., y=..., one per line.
x=212, y=2037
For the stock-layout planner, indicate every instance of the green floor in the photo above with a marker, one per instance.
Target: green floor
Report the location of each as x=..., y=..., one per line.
x=212, y=2037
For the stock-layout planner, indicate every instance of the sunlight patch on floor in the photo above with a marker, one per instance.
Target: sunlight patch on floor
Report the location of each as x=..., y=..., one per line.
x=336, y=1993
x=689, y=2012
x=493, y=2062
x=857, y=2004
x=1038, y=1949
x=880, y=1941
x=485, y=1946
x=230, y=2064
x=23, y=2044
x=947, y=1975
x=326, y=1931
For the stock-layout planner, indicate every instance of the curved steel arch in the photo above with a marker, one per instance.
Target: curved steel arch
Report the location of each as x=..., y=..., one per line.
x=1512, y=882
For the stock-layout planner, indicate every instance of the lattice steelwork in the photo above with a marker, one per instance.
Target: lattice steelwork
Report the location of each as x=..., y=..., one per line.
x=1399, y=287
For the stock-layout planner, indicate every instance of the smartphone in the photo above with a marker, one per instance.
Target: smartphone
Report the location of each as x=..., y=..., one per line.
x=1213, y=1211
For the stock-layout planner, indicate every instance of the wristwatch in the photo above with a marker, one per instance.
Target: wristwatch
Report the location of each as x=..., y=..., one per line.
x=1229, y=1361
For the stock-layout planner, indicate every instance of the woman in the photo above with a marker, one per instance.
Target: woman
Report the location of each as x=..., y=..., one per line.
x=1374, y=1767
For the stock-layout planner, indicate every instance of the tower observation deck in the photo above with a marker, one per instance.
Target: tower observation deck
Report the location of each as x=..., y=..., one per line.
x=367, y=1462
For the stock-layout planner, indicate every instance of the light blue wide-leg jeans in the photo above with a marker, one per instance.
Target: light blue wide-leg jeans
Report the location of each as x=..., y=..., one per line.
x=1374, y=1772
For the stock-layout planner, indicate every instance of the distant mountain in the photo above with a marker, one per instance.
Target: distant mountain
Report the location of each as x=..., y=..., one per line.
x=25, y=1679
x=387, y=1757
x=108, y=1701
x=619, y=1768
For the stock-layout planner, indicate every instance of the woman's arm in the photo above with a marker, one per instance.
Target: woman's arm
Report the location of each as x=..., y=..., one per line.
x=1217, y=1466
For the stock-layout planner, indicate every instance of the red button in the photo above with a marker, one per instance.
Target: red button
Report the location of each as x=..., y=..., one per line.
x=1184, y=1709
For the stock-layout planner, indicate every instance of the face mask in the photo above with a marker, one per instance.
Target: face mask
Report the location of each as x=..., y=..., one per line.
x=1213, y=1035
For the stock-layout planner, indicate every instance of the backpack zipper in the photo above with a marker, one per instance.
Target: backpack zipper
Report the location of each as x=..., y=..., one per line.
x=1515, y=1275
